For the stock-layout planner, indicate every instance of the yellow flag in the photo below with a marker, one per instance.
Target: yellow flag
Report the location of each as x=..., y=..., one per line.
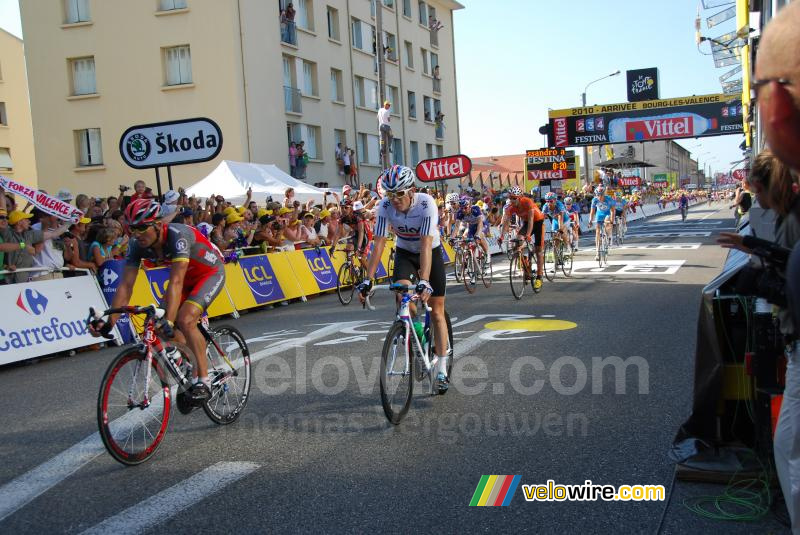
x=609, y=152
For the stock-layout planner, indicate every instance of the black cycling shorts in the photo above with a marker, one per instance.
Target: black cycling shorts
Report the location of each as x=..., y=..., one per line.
x=538, y=232
x=406, y=267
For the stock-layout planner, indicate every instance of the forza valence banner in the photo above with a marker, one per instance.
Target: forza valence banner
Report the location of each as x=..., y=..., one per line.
x=649, y=120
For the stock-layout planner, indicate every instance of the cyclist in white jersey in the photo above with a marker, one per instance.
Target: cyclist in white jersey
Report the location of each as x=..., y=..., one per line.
x=414, y=219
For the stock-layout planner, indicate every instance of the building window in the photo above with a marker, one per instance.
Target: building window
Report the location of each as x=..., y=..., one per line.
x=397, y=151
x=414, y=146
x=90, y=150
x=363, y=36
x=423, y=13
x=311, y=137
x=409, y=54
x=333, y=23
x=407, y=8
x=428, y=151
x=393, y=96
x=169, y=5
x=439, y=151
x=424, y=61
x=412, y=104
x=390, y=45
x=3, y=116
x=305, y=15
x=6, y=164
x=336, y=86
x=178, y=65
x=434, y=60
x=366, y=93
x=310, y=79
x=369, y=149
x=83, y=77
x=76, y=11
x=427, y=108
x=339, y=138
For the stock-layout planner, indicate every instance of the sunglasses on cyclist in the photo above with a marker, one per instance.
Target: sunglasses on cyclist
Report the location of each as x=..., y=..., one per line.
x=140, y=228
x=396, y=194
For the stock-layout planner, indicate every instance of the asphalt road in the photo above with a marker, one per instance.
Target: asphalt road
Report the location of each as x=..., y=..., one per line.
x=314, y=452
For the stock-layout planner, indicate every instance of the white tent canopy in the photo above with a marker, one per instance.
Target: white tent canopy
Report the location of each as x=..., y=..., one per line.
x=231, y=180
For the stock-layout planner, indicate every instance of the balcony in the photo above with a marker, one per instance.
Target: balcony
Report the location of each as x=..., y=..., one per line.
x=435, y=38
x=440, y=131
x=437, y=85
x=292, y=99
x=289, y=32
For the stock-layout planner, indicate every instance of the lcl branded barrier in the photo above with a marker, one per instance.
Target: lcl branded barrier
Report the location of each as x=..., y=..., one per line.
x=251, y=282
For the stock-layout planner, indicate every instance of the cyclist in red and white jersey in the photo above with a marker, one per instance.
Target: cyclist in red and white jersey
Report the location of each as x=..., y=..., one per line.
x=196, y=277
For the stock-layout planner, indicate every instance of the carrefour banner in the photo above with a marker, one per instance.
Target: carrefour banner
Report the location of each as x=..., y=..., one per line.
x=109, y=277
x=45, y=317
x=648, y=120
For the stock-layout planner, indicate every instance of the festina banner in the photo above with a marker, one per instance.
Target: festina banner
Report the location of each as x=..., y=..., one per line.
x=722, y=16
x=649, y=120
x=42, y=201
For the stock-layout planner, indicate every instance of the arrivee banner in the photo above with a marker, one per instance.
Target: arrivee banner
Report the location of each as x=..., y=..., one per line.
x=648, y=120
x=443, y=168
x=44, y=317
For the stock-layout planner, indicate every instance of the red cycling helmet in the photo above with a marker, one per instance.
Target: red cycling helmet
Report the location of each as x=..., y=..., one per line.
x=142, y=212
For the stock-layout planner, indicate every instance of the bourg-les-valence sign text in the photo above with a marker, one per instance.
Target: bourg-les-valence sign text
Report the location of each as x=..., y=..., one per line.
x=170, y=143
x=443, y=168
x=648, y=120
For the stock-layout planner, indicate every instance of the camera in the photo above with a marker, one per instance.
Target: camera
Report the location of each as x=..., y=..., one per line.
x=123, y=187
x=276, y=225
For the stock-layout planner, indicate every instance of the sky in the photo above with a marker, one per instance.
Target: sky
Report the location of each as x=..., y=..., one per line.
x=517, y=58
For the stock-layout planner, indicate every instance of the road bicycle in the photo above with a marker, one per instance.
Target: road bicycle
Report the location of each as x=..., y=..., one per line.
x=135, y=398
x=605, y=244
x=520, y=272
x=619, y=231
x=457, y=258
x=684, y=213
x=556, y=255
x=474, y=262
x=348, y=276
x=408, y=356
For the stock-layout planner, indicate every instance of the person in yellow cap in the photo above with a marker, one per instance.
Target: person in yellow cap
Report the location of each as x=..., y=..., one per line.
x=321, y=226
x=385, y=127
x=19, y=239
x=235, y=234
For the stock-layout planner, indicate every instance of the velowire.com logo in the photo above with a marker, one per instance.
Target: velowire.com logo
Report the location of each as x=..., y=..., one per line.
x=495, y=490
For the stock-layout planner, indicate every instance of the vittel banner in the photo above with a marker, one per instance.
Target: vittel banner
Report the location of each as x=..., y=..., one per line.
x=170, y=143
x=698, y=116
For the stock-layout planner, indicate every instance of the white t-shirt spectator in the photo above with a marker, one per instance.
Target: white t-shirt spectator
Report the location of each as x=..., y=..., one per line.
x=383, y=117
x=51, y=256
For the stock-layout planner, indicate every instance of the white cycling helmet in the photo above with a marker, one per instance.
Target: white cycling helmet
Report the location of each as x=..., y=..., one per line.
x=515, y=190
x=397, y=178
x=451, y=198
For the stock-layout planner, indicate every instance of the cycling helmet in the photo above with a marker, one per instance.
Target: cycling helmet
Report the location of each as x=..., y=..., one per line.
x=550, y=196
x=142, y=212
x=397, y=178
x=451, y=198
x=567, y=200
x=463, y=201
x=515, y=190
x=600, y=189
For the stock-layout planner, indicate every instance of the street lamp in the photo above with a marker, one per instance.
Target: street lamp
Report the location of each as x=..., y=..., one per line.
x=583, y=100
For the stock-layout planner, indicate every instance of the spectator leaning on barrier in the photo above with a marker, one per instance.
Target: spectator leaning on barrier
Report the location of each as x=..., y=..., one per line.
x=76, y=250
x=103, y=249
x=50, y=255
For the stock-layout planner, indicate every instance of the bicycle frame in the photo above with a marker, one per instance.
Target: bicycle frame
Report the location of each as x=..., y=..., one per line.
x=404, y=315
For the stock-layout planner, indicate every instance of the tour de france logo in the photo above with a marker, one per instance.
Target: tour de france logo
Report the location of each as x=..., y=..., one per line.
x=138, y=147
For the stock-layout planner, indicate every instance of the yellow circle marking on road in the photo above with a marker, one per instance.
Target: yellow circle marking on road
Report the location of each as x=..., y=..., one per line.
x=532, y=325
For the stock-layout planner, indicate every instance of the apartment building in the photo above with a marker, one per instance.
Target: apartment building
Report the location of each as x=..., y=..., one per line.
x=98, y=67
x=17, y=160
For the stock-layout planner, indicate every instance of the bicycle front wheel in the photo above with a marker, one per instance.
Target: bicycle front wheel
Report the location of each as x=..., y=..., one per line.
x=486, y=271
x=133, y=407
x=229, y=372
x=468, y=272
x=397, y=382
x=550, y=264
x=516, y=276
x=346, y=285
x=457, y=266
x=566, y=261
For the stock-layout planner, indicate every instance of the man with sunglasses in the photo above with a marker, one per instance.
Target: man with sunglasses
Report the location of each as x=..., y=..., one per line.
x=532, y=225
x=418, y=254
x=196, y=277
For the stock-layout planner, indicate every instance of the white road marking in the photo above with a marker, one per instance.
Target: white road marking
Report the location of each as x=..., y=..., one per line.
x=170, y=502
x=676, y=234
x=630, y=267
x=659, y=246
x=21, y=490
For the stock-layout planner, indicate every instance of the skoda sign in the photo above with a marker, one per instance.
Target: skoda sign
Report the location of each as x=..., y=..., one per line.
x=170, y=143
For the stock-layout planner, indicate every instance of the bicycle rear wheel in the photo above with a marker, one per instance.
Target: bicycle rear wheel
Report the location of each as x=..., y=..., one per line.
x=132, y=431
x=397, y=382
x=457, y=265
x=345, y=280
x=604, y=246
x=566, y=261
x=468, y=271
x=229, y=372
x=516, y=276
x=550, y=263
x=486, y=271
